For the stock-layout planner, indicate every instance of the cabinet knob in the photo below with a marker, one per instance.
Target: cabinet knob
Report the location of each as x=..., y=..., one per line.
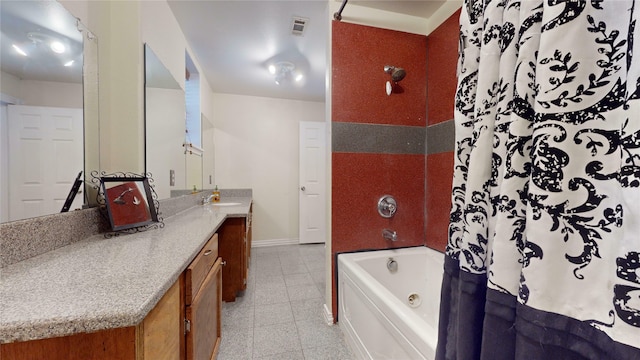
x=208, y=252
x=224, y=263
x=303, y=188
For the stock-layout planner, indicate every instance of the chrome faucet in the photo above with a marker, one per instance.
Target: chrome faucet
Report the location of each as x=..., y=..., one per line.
x=390, y=235
x=207, y=199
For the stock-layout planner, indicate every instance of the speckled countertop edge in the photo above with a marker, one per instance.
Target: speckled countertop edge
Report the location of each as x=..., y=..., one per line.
x=100, y=283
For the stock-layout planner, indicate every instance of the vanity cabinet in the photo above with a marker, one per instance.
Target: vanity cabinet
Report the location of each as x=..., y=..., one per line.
x=203, y=301
x=185, y=323
x=158, y=336
x=249, y=227
x=235, y=249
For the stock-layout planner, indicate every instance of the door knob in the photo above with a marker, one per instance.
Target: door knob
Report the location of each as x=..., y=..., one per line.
x=303, y=188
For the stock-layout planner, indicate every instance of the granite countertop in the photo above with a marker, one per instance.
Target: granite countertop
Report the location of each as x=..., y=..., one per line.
x=100, y=283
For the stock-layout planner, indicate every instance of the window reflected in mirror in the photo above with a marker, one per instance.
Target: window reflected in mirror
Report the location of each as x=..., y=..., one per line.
x=193, y=139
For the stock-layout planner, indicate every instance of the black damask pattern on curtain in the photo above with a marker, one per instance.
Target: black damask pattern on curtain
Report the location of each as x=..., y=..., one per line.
x=543, y=258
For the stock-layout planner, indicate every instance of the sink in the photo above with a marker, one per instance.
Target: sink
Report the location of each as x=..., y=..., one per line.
x=227, y=204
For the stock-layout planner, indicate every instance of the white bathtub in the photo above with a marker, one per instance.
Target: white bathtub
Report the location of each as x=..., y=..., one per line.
x=373, y=303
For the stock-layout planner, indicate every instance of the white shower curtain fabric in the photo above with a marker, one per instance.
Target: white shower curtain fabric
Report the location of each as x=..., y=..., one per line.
x=543, y=257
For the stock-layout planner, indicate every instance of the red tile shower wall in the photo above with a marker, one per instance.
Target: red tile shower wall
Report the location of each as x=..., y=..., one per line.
x=359, y=180
x=442, y=60
x=439, y=181
x=359, y=54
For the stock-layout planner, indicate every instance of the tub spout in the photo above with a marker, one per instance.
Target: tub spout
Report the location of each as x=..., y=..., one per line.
x=389, y=234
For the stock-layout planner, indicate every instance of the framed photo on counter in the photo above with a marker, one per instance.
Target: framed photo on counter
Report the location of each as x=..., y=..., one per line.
x=129, y=202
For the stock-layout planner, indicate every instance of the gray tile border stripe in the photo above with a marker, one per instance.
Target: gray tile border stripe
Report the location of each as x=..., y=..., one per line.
x=441, y=137
x=378, y=139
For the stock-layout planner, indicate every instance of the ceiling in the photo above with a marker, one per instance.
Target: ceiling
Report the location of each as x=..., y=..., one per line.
x=235, y=41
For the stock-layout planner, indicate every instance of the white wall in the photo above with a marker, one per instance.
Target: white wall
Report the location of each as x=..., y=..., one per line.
x=256, y=146
x=165, y=135
x=160, y=30
x=9, y=85
x=122, y=28
x=42, y=93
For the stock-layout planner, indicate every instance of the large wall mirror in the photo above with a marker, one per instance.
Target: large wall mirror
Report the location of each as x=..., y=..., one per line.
x=49, y=127
x=165, y=112
x=194, y=148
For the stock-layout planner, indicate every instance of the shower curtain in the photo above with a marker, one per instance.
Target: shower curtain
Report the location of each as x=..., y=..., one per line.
x=543, y=256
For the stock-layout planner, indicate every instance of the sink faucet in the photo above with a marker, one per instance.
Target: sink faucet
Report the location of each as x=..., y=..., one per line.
x=207, y=199
x=389, y=234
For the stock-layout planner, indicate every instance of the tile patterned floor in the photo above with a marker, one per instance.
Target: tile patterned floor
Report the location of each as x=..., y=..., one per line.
x=280, y=315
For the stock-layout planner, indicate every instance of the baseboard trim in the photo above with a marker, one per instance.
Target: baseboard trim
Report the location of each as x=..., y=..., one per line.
x=328, y=315
x=273, y=242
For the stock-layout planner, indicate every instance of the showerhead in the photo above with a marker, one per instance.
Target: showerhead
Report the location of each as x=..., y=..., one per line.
x=397, y=73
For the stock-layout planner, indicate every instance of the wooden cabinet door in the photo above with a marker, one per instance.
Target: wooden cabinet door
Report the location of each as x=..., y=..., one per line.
x=161, y=331
x=203, y=337
x=232, y=245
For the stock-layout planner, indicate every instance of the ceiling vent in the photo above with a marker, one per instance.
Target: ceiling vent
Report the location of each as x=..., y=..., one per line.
x=298, y=25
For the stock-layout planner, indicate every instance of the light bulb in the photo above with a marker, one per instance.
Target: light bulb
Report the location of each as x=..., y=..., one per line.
x=272, y=69
x=57, y=47
x=299, y=77
x=18, y=50
x=69, y=63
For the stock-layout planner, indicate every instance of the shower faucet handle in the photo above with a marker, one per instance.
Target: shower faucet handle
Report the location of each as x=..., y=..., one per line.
x=387, y=206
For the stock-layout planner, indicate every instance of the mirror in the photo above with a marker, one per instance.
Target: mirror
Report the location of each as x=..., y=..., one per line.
x=49, y=86
x=193, y=138
x=165, y=111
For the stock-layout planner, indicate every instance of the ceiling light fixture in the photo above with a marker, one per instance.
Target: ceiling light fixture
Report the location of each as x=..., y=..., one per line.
x=69, y=63
x=282, y=70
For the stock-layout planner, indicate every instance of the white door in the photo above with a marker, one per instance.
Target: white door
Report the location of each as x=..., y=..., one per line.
x=312, y=182
x=45, y=156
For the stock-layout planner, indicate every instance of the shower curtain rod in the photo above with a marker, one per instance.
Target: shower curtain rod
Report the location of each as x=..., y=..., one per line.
x=338, y=15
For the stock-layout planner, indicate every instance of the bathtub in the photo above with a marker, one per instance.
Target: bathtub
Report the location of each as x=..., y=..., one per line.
x=390, y=315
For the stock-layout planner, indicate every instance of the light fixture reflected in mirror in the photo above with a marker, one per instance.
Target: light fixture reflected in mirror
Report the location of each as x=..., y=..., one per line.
x=54, y=43
x=19, y=50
